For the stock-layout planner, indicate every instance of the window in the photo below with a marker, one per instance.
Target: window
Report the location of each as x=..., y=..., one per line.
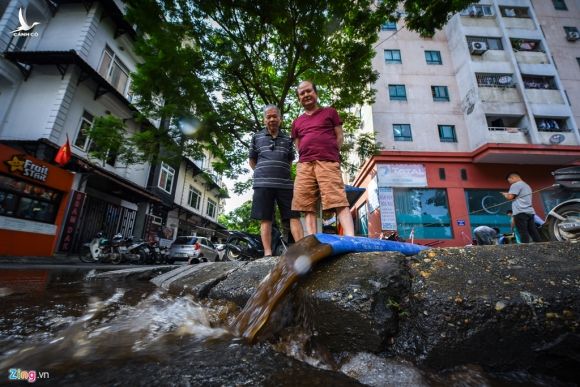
x=82, y=140
x=552, y=197
x=560, y=5
x=516, y=12
x=114, y=71
x=488, y=208
x=440, y=93
x=433, y=57
x=402, y=132
x=397, y=93
x=423, y=212
x=539, y=82
x=477, y=10
x=393, y=56
x=389, y=26
x=194, y=197
x=491, y=43
x=447, y=133
x=549, y=124
x=211, y=206
x=578, y=60
x=166, y=176
x=24, y=200
x=526, y=45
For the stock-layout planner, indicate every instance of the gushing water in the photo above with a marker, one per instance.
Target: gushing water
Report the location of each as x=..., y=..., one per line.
x=110, y=330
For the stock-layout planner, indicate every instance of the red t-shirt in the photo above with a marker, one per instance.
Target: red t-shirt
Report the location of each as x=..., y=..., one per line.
x=317, y=136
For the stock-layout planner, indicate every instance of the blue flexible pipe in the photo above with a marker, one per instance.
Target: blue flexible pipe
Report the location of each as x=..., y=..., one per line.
x=348, y=244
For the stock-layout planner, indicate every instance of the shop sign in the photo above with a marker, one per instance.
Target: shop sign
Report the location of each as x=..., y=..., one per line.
x=20, y=165
x=387, y=205
x=401, y=175
x=73, y=217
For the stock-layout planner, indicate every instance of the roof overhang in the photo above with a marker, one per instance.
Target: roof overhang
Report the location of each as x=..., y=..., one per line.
x=111, y=10
x=526, y=154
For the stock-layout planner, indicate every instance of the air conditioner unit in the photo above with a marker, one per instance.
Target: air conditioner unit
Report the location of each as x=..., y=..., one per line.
x=156, y=219
x=572, y=36
x=477, y=48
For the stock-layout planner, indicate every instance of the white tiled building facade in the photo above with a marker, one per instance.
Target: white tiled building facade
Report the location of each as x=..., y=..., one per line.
x=496, y=90
x=74, y=65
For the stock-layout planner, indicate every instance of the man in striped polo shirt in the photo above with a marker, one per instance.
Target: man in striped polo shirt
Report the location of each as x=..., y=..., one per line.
x=271, y=154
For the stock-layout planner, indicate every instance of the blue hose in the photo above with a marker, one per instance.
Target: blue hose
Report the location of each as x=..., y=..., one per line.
x=347, y=244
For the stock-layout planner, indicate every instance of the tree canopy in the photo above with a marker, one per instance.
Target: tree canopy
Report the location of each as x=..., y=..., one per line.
x=222, y=60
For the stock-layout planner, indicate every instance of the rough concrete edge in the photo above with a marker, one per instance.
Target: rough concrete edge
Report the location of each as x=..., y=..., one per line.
x=126, y=272
x=160, y=279
x=207, y=286
x=165, y=280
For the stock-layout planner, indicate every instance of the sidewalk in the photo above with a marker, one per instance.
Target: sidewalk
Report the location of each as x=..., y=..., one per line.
x=57, y=259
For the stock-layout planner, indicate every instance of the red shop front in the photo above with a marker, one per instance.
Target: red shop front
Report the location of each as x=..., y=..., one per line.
x=33, y=199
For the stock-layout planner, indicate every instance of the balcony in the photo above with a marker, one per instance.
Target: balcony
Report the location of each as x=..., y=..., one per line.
x=542, y=90
x=506, y=129
x=494, y=87
x=517, y=18
x=529, y=51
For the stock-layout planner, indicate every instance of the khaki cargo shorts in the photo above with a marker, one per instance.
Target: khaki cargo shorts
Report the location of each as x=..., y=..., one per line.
x=316, y=179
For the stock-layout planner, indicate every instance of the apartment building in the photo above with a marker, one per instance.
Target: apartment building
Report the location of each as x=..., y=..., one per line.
x=489, y=94
x=63, y=64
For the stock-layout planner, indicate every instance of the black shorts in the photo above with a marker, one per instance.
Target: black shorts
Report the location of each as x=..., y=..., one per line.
x=263, y=203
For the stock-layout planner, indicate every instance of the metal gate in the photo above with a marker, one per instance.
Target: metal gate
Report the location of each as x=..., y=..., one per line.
x=111, y=219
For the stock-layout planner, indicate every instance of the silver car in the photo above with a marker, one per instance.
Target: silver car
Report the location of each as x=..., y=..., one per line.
x=194, y=249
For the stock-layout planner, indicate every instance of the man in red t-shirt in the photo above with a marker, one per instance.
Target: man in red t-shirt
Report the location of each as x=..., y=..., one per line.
x=318, y=136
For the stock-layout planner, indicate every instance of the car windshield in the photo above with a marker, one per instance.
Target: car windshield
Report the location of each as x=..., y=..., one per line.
x=185, y=240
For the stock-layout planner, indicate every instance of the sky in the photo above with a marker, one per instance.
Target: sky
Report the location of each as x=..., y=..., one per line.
x=236, y=200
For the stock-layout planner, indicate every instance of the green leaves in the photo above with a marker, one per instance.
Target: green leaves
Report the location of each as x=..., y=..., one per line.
x=222, y=60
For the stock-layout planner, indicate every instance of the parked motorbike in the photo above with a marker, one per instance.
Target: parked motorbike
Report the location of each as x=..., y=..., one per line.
x=243, y=246
x=131, y=251
x=100, y=249
x=157, y=254
x=563, y=221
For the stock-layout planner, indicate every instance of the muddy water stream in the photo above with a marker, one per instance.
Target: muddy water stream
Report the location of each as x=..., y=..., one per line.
x=64, y=327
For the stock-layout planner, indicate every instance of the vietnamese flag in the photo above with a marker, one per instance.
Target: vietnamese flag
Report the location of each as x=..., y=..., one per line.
x=63, y=155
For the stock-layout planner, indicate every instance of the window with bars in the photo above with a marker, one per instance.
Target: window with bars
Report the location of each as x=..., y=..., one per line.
x=194, y=197
x=495, y=80
x=440, y=93
x=433, y=57
x=402, y=132
x=492, y=43
x=447, y=133
x=393, y=56
x=397, y=93
x=560, y=5
x=539, y=82
x=114, y=71
x=166, y=176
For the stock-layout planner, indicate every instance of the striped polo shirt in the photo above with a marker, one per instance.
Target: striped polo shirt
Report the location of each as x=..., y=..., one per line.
x=273, y=158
